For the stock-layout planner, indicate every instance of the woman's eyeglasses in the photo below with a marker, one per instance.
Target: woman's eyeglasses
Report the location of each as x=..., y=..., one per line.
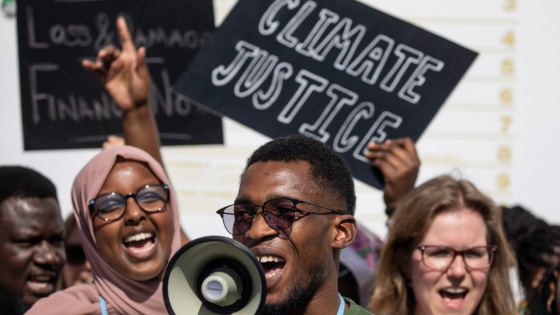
x=75, y=254
x=441, y=257
x=150, y=198
x=279, y=214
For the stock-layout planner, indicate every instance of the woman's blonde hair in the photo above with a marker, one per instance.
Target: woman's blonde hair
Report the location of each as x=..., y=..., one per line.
x=412, y=220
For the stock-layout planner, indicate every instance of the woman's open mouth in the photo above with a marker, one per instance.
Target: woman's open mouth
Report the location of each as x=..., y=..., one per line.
x=273, y=267
x=453, y=297
x=140, y=245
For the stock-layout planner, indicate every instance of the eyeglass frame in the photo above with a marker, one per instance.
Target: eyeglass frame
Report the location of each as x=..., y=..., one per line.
x=91, y=203
x=294, y=201
x=456, y=253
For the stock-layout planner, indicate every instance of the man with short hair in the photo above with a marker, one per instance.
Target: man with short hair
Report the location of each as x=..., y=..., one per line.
x=31, y=238
x=295, y=211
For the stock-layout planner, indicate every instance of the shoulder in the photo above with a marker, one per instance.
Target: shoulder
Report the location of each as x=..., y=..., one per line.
x=82, y=299
x=355, y=309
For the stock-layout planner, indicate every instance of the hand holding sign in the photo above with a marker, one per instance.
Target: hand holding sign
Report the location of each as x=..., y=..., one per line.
x=123, y=73
x=399, y=163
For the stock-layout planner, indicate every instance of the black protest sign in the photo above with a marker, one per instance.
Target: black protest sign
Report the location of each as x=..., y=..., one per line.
x=64, y=106
x=336, y=70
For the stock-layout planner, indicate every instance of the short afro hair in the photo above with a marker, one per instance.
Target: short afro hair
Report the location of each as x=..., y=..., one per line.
x=22, y=182
x=328, y=169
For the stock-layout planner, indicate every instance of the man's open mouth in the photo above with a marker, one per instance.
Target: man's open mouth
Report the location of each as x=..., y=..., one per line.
x=272, y=265
x=42, y=284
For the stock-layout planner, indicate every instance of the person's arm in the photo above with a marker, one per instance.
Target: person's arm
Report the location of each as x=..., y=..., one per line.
x=398, y=161
x=125, y=76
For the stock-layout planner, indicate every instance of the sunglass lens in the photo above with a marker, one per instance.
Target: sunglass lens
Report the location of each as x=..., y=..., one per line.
x=237, y=220
x=75, y=254
x=278, y=222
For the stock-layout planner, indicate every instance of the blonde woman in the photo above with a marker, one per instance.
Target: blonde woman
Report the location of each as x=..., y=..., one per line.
x=445, y=254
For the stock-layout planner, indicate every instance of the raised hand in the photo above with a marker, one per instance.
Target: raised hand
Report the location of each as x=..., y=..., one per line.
x=113, y=141
x=398, y=161
x=123, y=72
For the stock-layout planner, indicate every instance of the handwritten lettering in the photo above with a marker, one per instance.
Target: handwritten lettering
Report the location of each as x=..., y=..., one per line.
x=332, y=31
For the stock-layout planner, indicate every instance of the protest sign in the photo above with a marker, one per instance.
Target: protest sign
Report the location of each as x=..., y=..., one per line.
x=64, y=106
x=336, y=70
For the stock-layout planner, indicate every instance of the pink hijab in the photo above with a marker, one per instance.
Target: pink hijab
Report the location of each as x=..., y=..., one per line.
x=123, y=296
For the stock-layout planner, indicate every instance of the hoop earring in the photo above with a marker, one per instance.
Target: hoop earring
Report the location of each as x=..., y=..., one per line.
x=549, y=305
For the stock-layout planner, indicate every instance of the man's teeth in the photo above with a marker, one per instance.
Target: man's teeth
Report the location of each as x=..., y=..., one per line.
x=39, y=284
x=271, y=274
x=264, y=259
x=138, y=237
x=455, y=290
x=41, y=279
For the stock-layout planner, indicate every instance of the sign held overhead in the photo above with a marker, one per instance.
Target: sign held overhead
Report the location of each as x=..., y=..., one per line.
x=336, y=70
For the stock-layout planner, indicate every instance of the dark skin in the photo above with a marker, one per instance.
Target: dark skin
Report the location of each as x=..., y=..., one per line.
x=398, y=161
x=127, y=177
x=31, y=247
x=298, y=245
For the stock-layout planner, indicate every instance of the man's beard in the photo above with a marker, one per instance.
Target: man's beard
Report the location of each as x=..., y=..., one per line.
x=12, y=304
x=297, y=294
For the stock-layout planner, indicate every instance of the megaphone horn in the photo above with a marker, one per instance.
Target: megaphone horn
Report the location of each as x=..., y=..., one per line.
x=214, y=275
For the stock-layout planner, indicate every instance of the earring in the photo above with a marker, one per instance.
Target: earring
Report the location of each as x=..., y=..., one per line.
x=549, y=305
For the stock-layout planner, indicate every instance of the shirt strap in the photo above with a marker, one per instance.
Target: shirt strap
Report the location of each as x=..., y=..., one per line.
x=342, y=305
x=103, y=306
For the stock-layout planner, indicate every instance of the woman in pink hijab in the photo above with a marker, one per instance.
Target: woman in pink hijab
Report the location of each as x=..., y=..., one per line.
x=129, y=223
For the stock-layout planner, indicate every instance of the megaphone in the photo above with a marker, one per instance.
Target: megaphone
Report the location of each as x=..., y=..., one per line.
x=214, y=275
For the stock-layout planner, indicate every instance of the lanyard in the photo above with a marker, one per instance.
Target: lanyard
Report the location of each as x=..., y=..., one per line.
x=342, y=305
x=103, y=306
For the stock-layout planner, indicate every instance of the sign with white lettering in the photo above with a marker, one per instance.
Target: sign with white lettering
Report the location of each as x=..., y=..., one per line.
x=336, y=70
x=64, y=106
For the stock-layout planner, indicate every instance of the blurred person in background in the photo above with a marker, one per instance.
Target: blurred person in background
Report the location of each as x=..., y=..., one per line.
x=446, y=253
x=31, y=238
x=535, y=244
x=358, y=266
x=77, y=269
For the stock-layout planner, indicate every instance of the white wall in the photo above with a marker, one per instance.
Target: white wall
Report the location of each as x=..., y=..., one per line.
x=465, y=137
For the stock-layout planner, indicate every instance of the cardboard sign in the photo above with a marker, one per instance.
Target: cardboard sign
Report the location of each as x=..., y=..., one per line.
x=336, y=70
x=64, y=106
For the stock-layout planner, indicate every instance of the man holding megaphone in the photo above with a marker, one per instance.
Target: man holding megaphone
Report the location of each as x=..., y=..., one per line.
x=294, y=209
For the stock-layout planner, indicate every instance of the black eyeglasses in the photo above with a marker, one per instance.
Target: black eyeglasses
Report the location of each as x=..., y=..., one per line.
x=75, y=254
x=279, y=214
x=150, y=198
x=441, y=257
